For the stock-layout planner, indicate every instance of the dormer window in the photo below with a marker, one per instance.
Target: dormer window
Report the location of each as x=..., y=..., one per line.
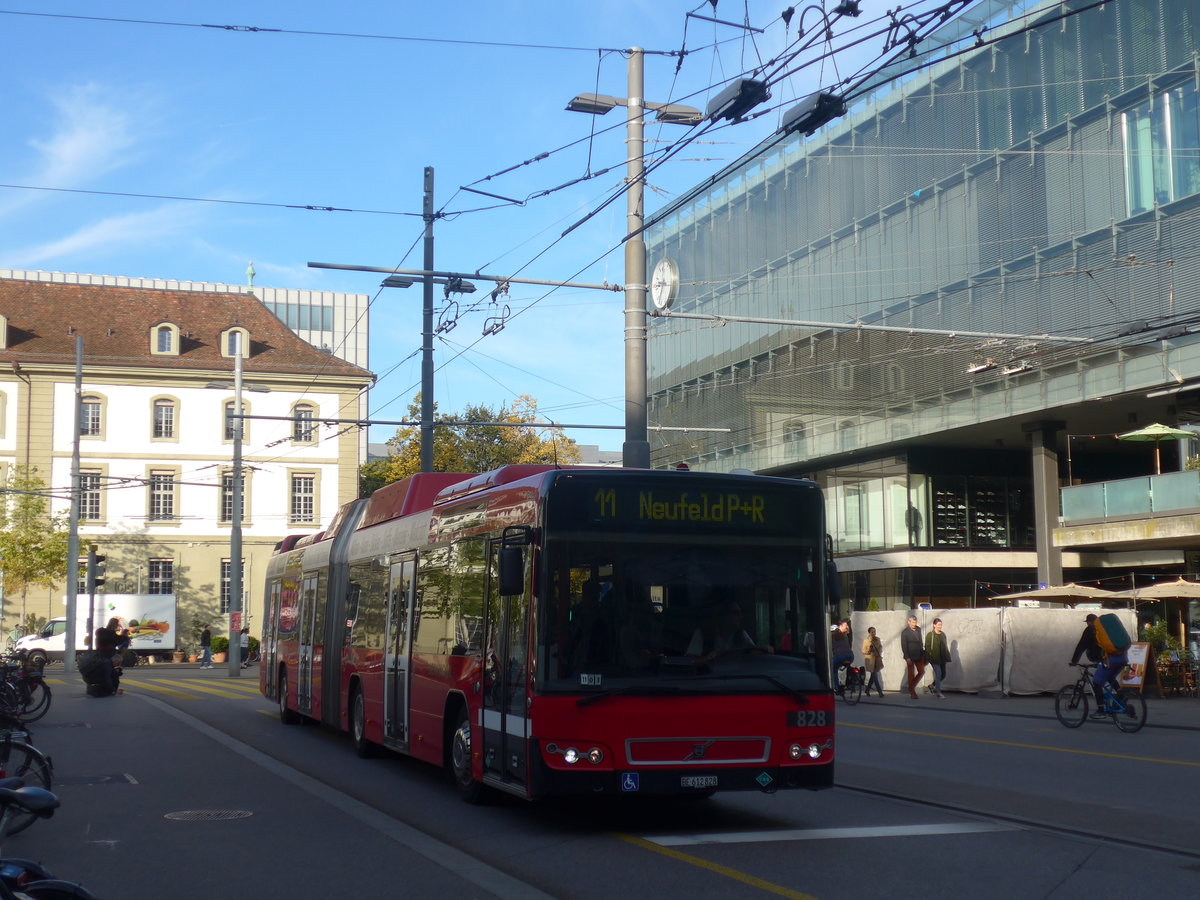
x=235, y=342
x=164, y=340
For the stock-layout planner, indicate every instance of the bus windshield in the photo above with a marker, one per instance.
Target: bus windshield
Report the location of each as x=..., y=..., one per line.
x=735, y=614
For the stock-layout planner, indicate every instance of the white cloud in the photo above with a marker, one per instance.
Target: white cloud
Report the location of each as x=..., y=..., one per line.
x=93, y=135
x=142, y=230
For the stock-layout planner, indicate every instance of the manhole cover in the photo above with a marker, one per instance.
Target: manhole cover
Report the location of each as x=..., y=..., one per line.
x=208, y=815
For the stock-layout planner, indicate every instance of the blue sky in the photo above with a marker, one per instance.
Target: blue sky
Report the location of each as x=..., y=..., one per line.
x=346, y=115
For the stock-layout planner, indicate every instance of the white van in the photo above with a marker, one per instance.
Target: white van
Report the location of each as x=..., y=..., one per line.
x=149, y=619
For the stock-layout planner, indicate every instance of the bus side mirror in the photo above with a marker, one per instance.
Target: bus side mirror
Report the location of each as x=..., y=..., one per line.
x=512, y=571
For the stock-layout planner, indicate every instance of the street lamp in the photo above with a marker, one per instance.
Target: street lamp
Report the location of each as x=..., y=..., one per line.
x=235, y=514
x=636, y=449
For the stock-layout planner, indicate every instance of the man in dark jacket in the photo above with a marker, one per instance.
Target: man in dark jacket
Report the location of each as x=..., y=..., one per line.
x=1108, y=668
x=912, y=648
x=840, y=650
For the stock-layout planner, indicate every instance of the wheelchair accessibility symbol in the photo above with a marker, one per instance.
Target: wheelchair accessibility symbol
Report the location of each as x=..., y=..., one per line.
x=629, y=781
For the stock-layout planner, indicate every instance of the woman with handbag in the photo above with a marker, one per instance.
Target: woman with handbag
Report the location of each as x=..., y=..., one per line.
x=872, y=651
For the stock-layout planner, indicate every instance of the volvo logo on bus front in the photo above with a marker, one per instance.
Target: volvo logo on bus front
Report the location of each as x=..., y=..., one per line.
x=698, y=751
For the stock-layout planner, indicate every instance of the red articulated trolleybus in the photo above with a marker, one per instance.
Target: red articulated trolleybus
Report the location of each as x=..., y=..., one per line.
x=547, y=631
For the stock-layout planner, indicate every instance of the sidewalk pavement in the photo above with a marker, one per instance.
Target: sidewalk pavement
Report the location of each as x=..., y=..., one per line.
x=1161, y=712
x=156, y=802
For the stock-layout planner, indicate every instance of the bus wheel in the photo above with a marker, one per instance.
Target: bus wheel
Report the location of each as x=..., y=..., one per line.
x=460, y=760
x=358, y=724
x=286, y=716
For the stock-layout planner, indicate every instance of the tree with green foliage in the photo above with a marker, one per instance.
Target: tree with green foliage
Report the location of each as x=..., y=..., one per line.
x=33, y=543
x=472, y=447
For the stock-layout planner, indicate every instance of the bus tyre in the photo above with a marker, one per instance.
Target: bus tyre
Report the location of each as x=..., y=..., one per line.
x=358, y=724
x=286, y=716
x=460, y=760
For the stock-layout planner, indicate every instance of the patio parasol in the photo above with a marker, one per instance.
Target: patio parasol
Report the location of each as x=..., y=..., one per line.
x=1156, y=433
x=1061, y=593
x=1164, y=590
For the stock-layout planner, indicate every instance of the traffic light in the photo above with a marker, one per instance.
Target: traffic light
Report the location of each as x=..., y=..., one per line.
x=95, y=569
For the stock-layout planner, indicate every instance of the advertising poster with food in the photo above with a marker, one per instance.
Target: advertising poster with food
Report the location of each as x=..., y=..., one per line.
x=148, y=618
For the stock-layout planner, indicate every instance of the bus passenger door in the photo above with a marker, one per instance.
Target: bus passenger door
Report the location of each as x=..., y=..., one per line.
x=308, y=628
x=398, y=648
x=269, y=646
x=505, y=659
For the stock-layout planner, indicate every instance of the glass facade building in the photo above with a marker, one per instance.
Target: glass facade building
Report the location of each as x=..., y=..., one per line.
x=1036, y=185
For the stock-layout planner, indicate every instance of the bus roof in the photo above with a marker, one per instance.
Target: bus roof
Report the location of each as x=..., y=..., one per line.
x=410, y=495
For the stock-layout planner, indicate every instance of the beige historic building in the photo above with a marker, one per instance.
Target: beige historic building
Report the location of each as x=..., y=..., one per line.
x=156, y=440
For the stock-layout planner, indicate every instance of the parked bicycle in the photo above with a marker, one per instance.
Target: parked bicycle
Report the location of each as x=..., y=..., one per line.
x=1125, y=708
x=24, y=879
x=23, y=690
x=21, y=764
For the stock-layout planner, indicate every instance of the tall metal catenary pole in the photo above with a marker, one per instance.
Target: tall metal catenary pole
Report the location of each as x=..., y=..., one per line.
x=427, y=331
x=636, y=449
x=73, y=536
x=235, y=520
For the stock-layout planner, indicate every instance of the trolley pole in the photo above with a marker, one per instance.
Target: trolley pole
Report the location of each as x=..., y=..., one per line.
x=235, y=522
x=427, y=331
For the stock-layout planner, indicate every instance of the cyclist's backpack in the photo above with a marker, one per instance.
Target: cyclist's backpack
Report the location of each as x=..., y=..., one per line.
x=1111, y=634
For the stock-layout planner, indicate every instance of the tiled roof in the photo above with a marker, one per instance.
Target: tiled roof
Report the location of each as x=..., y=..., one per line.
x=45, y=318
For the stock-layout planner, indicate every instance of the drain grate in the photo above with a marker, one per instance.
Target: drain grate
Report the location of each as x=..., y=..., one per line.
x=208, y=815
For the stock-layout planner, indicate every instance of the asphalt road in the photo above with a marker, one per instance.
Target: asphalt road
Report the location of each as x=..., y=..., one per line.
x=189, y=784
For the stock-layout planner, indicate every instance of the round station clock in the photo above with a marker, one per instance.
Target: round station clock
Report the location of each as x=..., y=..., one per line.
x=664, y=283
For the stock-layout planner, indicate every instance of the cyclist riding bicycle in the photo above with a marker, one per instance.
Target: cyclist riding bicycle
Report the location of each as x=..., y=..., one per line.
x=840, y=650
x=1108, y=666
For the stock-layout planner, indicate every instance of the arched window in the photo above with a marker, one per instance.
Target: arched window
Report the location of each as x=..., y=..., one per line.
x=91, y=416
x=164, y=340
x=165, y=418
x=843, y=376
x=235, y=341
x=231, y=424
x=302, y=424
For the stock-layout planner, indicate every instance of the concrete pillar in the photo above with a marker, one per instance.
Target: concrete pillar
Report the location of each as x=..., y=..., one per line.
x=1046, y=497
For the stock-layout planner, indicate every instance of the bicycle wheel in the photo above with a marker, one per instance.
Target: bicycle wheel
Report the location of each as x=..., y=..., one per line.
x=1071, y=705
x=18, y=759
x=35, y=694
x=854, y=689
x=1132, y=716
x=57, y=889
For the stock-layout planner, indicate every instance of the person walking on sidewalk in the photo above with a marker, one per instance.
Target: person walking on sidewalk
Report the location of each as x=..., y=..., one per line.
x=244, y=647
x=872, y=651
x=913, y=651
x=206, y=647
x=937, y=653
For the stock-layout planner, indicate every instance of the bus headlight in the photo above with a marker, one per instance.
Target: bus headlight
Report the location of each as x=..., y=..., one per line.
x=797, y=752
x=571, y=755
x=595, y=756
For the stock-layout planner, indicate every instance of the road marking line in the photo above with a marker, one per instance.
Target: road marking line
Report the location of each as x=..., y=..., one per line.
x=974, y=740
x=170, y=692
x=202, y=688
x=716, y=868
x=822, y=834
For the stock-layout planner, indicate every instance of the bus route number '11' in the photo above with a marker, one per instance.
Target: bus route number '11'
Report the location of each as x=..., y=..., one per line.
x=683, y=507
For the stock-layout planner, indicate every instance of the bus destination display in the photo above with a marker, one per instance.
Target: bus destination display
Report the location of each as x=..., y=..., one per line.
x=691, y=508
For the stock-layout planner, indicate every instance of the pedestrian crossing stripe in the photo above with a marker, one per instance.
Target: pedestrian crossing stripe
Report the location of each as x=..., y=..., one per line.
x=157, y=689
x=218, y=690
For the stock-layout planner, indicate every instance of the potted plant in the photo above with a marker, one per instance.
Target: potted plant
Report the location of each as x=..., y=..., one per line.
x=220, y=648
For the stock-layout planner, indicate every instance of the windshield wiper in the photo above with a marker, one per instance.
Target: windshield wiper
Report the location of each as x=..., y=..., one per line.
x=796, y=695
x=641, y=690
